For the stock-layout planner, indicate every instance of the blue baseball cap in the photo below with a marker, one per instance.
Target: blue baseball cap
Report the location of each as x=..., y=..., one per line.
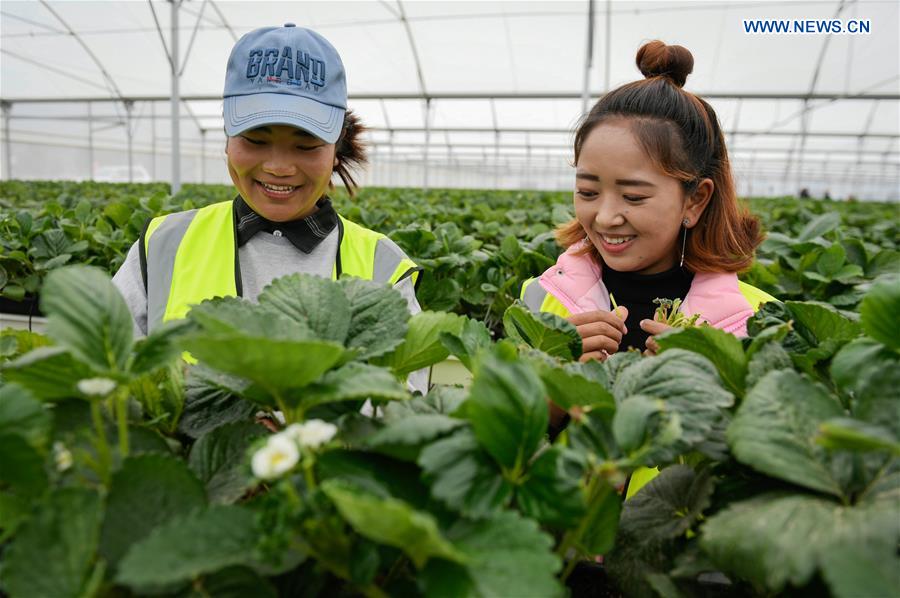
x=285, y=76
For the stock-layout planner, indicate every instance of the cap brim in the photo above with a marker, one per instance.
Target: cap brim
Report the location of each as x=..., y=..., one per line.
x=242, y=113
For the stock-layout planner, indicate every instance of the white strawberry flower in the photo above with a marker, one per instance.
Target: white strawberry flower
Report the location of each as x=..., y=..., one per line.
x=276, y=457
x=96, y=387
x=311, y=434
x=62, y=456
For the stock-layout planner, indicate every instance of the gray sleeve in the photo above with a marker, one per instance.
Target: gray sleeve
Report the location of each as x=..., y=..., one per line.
x=130, y=283
x=417, y=381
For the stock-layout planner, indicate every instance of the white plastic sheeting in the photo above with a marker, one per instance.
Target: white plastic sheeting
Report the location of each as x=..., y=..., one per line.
x=504, y=80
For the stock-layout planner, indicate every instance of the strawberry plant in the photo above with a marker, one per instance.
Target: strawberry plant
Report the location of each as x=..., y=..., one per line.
x=142, y=467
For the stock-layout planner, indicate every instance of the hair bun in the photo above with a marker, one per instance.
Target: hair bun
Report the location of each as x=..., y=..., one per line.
x=656, y=59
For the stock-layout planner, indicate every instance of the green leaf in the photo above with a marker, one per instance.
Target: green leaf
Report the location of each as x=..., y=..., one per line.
x=667, y=506
x=14, y=343
x=849, y=273
x=23, y=466
x=722, y=348
x=234, y=582
x=364, y=562
x=506, y=555
x=147, y=492
x=870, y=373
x=510, y=248
x=592, y=434
x=546, y=332
x=693, y=408
x=464, y=477
x=14, y=511
x=200, y=542
x=350, y=382
x=550, y=492
x=52, y=553
x=880, y=312
x=749, y=539
x=234, y=316
x=392, y=522
x=468, y=343
x=572, y=385
x=274, y=364
x=50, y=243
x=22, y=415
x=377, y=474
x=414, y=430
x=653, y=526
x=774, y=431
x=211, y=399
x=769, y=357
x=823, y=321
x=831, y=260
x=378, y=316
x=440, y=399
x=317, y=302
x=866, y=571
x=14, y=291
x=819, y=226
x=55, y=262
x=50, y=373
x=508, y=412
x=88, y=316
x=219, y=458
x=848, y=434
x=631, y=423
x=118, y=212
x=602, y=521
x=422, y=346
x=160, y=348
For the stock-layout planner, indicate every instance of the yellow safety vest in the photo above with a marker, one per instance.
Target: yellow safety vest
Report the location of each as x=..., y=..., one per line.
x=538, y=299
x=190, y=256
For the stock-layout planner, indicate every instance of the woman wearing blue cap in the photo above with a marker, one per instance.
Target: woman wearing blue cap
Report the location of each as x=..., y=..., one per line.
x=288, y=131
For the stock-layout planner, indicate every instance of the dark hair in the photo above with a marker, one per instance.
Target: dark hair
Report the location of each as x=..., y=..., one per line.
x=350, y=150
x=680, y=133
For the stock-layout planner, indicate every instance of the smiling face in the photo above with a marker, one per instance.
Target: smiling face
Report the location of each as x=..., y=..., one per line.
x=280, y=171
x=630, y=209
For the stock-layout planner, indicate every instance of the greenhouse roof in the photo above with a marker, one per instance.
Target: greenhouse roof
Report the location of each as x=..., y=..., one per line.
x=482, y=77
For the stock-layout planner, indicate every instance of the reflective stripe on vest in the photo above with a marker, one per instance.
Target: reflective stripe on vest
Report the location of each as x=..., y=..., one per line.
x=183, y=270
x=537, y=299
x=372, y=256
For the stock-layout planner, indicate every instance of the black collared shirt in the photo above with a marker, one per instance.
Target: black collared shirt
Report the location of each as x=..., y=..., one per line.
x=304, y=234
x=637, y=292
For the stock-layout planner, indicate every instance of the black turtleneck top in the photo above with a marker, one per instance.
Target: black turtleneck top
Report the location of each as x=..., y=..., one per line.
x=637, y=292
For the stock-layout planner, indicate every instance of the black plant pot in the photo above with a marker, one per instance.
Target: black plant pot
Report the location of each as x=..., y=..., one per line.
x=29, y=306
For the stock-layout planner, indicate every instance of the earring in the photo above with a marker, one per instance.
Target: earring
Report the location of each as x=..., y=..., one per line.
x=684, y=224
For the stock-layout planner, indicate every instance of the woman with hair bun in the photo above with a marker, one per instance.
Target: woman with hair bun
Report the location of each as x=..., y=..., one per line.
x=656, y=216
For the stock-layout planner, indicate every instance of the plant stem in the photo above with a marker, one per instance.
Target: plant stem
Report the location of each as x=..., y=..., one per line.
x=121, y=401
x=392, y=572
x=104, y=460
x=309, y=461
x=573, y=538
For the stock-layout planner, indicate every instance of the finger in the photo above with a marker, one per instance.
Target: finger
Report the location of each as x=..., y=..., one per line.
x=652, y=345
x=600, y=329
x=648, y=353
x=599, y=343
x=654, y=327
x=593, y=355
x=598, y=316
x=620, y=312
